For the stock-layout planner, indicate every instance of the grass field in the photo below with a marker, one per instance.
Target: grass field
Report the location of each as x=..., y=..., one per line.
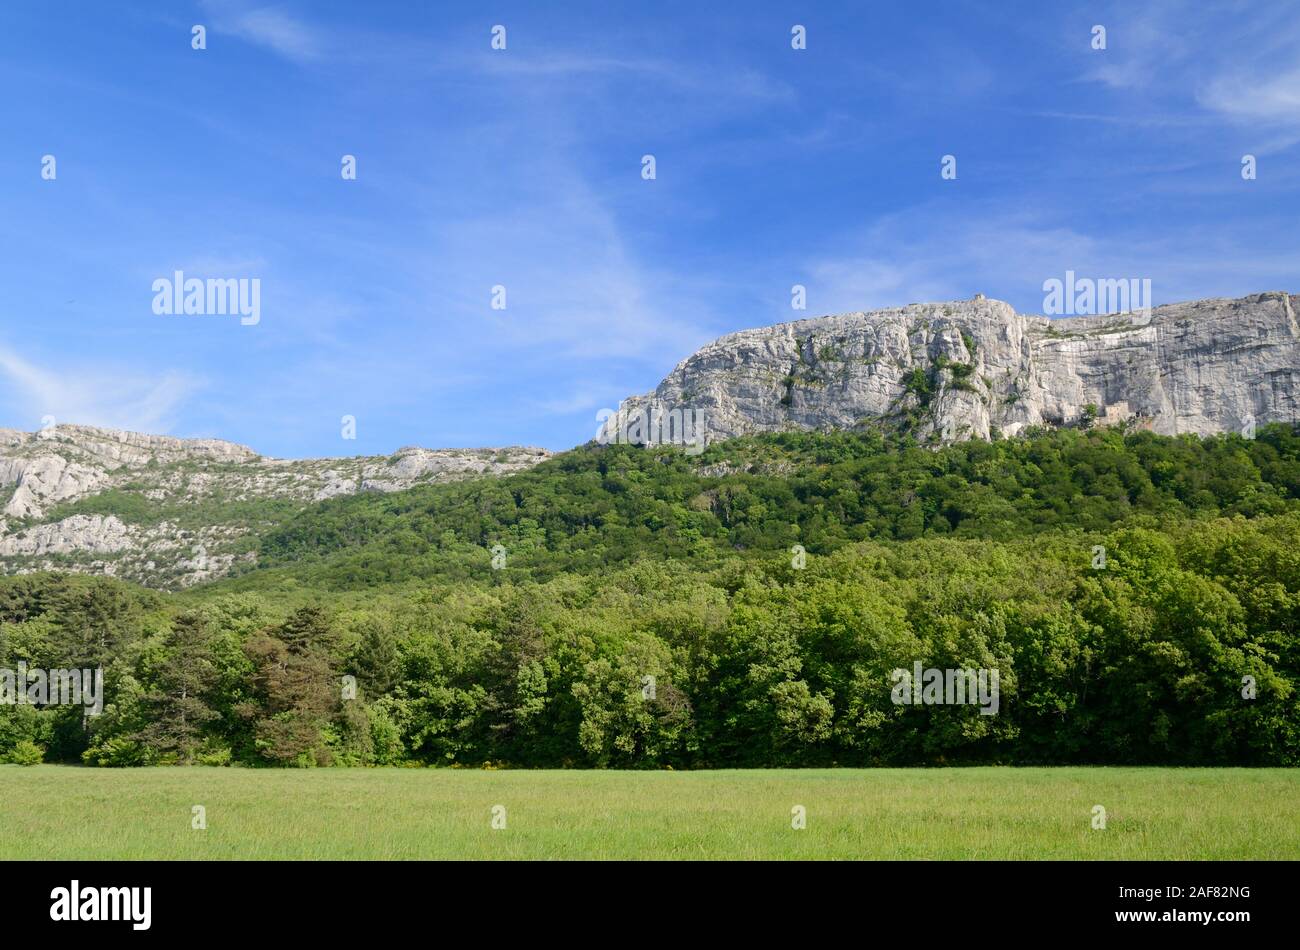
x=64, y=812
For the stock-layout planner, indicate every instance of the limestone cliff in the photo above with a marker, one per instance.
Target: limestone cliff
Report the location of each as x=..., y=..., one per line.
x=975, y=368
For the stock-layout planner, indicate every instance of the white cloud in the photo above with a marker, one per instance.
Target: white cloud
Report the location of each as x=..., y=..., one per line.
x=930, y=255
x=575, y=289
x=1272, y=98
x=732, y=83
x=578, y=400
x=272, y=28
x=91, y=395
x=927, y=255
x=1230, y=63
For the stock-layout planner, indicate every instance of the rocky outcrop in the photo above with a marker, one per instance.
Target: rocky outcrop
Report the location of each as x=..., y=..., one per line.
x=93, y=534
x=44, y=479
x=975, y=368
x=182, y=510
x=410, y=466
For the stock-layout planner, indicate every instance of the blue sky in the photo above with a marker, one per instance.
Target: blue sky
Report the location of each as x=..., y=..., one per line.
x=522, y=168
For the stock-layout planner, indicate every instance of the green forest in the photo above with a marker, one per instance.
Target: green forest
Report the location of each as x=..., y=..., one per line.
x=624, y=607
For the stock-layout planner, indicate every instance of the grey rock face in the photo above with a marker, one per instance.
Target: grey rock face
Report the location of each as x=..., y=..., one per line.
x=958, y=370
x=45, y=478
x=94, y=534
x=59, y=466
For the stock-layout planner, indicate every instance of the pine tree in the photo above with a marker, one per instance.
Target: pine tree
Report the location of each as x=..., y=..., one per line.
x=295, y=686
x=178, y=707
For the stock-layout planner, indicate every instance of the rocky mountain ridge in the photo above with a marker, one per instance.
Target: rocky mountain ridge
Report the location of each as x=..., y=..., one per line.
x=174, y=512
x=171, y=512
x=977, y=369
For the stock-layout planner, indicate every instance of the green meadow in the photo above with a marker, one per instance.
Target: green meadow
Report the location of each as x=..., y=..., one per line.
x=65, y=812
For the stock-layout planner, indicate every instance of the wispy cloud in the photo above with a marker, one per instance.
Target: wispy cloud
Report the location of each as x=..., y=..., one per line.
x=573, y=286
x=1268, y=97
x=733, y=83
x=927, y=254
x=1144, y=45
x=272, y=28
x=1156, y=55
x=92, y=395
x=1154, y=121
x=577, y=400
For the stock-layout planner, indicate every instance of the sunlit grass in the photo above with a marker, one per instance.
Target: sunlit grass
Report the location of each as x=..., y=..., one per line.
x=58, y=812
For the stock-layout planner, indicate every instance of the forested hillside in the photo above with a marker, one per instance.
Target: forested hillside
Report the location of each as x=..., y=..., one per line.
x=616, y=606
x=594, y=508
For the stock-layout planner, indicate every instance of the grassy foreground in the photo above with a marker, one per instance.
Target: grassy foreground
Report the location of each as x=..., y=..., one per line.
x=63, y=812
